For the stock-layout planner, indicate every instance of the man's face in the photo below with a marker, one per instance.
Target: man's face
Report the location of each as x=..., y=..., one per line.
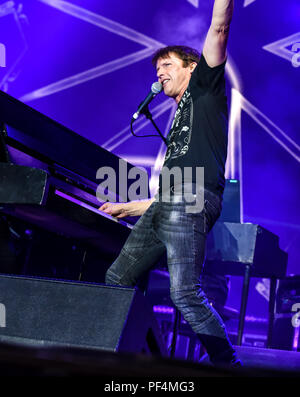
x=173, y=76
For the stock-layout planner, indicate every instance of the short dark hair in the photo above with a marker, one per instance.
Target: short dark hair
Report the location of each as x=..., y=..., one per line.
x=187, y=54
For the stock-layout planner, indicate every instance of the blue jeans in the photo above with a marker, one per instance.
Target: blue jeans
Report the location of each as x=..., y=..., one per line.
x=167, y=226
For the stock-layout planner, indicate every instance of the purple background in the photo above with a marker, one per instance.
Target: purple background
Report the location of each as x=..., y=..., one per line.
x=46, y=45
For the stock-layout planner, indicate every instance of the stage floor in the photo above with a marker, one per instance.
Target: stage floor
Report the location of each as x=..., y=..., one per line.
x=39, y=360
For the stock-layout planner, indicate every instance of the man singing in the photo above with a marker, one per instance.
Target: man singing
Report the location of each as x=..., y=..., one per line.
x=197, y=140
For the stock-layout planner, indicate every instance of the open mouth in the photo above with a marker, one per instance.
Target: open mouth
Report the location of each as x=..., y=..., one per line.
x=164, y=82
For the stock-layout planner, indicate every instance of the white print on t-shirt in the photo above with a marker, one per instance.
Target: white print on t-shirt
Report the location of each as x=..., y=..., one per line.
x=181, y=129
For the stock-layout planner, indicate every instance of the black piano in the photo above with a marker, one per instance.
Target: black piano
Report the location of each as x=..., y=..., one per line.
x=48, y=180
x=48, y=183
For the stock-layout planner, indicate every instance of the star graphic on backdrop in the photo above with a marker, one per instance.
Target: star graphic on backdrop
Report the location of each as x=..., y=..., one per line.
x=248, y=2
x=234, y=168
x=95, y=19
x=195, y=3
x=280, y=47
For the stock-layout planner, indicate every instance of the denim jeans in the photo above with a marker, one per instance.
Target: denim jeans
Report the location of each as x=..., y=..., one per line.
x=167, y=226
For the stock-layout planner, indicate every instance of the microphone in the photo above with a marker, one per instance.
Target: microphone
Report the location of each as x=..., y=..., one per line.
x=156, y=88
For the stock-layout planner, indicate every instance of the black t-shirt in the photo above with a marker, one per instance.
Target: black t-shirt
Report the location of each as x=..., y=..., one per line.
x=199, y=133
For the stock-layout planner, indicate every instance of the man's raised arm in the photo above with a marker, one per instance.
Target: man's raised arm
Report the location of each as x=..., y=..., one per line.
x=215, y=45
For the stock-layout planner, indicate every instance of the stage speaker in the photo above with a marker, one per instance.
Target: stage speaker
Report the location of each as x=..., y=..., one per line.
x=47, y=312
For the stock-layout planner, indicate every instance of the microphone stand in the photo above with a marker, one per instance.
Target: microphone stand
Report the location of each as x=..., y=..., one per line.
x=148, y=115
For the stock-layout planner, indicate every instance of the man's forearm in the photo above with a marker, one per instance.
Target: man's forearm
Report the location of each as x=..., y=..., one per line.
x=222, y=13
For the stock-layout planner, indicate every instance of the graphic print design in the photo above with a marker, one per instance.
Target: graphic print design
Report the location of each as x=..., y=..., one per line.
x=181, y=130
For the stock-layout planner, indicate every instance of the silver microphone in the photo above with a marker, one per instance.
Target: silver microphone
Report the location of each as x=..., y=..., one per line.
x=156, y=88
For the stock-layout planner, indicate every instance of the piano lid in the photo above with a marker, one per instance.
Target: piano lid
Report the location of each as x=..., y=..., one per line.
x=60, y=145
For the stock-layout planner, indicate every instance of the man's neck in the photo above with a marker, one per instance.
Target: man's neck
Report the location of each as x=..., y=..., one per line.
x=179, y=96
